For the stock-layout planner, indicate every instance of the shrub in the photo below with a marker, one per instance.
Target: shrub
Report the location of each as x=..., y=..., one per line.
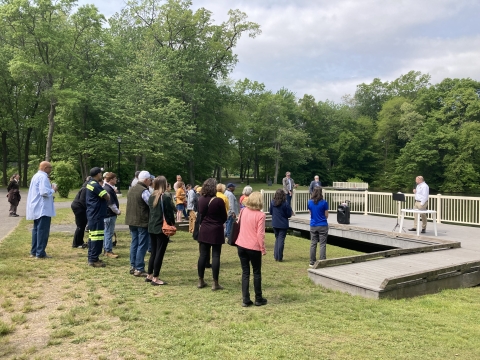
x=65, y=176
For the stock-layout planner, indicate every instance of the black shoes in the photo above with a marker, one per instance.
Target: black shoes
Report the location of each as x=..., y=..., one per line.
x=261, y=302
x=413, y=229
x=96, y=264
x=248, y=303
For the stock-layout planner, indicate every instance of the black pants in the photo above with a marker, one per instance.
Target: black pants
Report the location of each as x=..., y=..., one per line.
x=96, y=234
x=158, y=245
x=81, y=222
x=255, y=258
x=204, y=258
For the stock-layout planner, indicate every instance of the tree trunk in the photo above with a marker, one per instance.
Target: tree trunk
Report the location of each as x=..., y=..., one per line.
x=191, y=172
x=51, y=127
x=219, y=174
x=83, y=168
x=25, y=159
x=4, y=158
x=276, y=170
x=137, y=162
x=241, y=171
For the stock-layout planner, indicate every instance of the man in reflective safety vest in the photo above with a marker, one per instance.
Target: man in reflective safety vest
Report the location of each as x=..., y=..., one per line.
x=96, y=199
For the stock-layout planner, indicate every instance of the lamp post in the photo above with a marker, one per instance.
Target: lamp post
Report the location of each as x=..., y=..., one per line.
x=119, y=140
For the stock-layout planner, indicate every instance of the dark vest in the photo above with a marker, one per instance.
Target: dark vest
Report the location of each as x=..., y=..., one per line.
x=113, y=200
x=137, y=209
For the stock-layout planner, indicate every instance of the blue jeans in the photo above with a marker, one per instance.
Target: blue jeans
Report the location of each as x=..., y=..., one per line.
x=280, y=235
x=228, y=226
x=109, y=230
x=139, y=246
x=40, y=234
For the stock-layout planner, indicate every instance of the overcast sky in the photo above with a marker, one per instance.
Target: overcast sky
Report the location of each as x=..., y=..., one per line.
x=325, y=48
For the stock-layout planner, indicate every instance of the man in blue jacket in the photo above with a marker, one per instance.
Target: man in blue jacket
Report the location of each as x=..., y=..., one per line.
x=96, y=200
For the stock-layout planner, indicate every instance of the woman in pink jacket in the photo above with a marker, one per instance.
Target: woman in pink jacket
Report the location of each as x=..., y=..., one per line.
x=251, y=247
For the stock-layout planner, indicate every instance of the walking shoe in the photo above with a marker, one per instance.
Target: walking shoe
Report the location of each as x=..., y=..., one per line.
x=423, y=231
x=248, y=303
x=96, y=264
x=261, y=302
x=139, y=273
x=216, y=286
x=311, y=265
x=412, y=229
x=132, y=270
x=85, y=246
x=111, y=255
x=201, y=283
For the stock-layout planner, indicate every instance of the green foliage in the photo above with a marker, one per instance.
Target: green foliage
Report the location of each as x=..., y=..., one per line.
x=65, y=176
x=157, y=77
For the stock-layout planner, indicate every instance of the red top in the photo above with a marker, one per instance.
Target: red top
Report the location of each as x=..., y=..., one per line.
x=252, y=230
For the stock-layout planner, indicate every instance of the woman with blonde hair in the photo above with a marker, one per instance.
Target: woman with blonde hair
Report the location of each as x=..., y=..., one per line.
x=161, y=206
x=221, y=194
x=180, y=199
x=251, y=246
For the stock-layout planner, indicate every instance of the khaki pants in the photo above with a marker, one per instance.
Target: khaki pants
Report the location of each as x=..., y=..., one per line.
x=192, y=216
x=423, y=216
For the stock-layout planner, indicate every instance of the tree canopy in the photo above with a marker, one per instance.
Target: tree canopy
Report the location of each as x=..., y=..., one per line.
x=153, y=83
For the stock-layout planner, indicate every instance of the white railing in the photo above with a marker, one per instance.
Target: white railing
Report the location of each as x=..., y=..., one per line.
x=454, y=209
x=350, y=185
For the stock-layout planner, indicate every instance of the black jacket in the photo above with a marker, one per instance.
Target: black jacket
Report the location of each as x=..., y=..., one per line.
x=113, y=200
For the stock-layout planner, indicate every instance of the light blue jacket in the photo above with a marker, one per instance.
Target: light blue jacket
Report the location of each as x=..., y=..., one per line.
x=40, y=197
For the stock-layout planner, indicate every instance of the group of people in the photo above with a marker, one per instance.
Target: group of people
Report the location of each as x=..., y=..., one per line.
x=150, y=206
x=216, y=208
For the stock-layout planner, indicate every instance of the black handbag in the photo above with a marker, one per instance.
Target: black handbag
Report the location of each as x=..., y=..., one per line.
x=232, y=240
x=198, y=222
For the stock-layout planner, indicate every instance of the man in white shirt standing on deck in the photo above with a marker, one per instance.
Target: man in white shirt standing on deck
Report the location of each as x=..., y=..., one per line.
x=421, y=202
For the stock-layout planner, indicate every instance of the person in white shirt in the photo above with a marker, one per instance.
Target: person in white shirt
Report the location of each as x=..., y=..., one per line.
x=421, y=202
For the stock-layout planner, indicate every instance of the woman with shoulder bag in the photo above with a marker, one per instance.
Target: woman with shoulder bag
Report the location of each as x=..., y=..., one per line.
x=161, y=207
x=251, y=246
x=210, y=235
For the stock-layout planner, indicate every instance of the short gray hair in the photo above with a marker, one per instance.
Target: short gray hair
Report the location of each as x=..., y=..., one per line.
x=247, y=190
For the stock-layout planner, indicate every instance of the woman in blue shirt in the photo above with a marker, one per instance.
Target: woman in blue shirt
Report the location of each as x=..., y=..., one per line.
x=281, y=212
x=318, y=209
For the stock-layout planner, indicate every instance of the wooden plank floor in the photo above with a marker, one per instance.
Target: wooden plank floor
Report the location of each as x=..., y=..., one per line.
x=371, y=274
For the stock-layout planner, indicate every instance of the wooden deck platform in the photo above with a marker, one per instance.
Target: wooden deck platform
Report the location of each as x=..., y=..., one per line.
x=421, y=264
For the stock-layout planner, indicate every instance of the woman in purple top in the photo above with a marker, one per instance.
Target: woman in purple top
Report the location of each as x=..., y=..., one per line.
x=210, y=235
x=318, y=209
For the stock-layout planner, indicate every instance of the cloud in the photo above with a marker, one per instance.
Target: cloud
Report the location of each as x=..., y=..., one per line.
x=325, y=48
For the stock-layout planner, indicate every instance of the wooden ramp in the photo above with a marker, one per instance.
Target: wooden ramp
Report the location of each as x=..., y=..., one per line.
x=401, y=276
x=418, y=265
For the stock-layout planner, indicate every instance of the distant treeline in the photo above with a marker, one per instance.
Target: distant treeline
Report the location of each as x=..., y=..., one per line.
x=156, y=75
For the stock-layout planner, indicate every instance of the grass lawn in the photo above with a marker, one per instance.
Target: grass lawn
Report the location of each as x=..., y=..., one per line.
x=60, y=308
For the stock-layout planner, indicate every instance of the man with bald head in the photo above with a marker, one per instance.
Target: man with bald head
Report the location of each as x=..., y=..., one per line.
x=421, y=202
x=40, y=209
